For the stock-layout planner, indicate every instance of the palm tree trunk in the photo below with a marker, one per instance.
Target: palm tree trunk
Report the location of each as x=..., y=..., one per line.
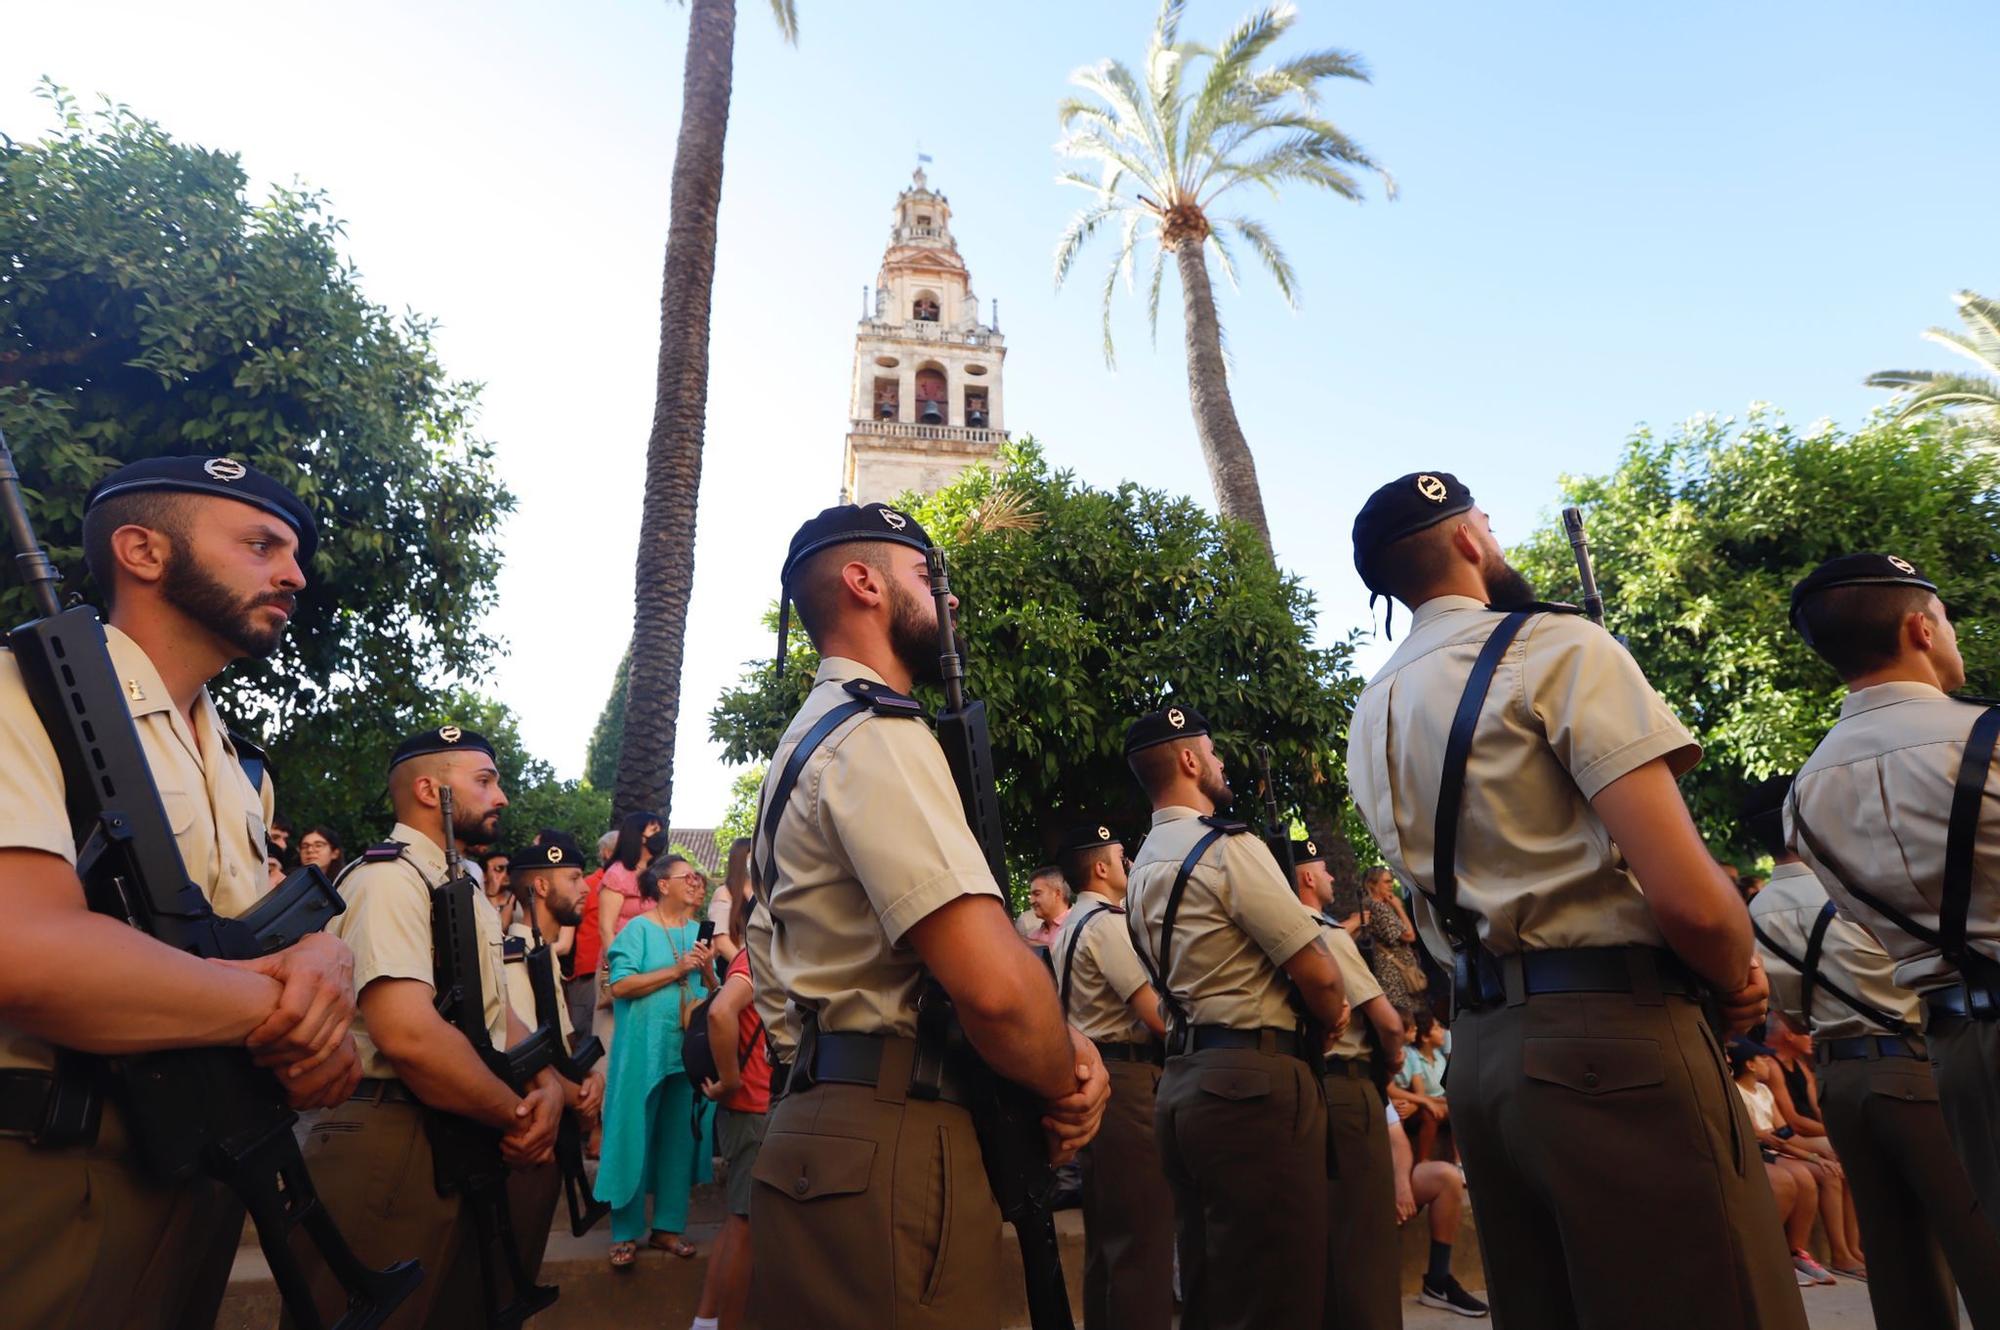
x=665, y=566
x=1231, y=469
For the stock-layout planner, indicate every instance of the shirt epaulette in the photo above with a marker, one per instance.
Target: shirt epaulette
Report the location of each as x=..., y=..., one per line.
x=882, y=699
x=387, y=850
x=1226, y=826
x=514, y=949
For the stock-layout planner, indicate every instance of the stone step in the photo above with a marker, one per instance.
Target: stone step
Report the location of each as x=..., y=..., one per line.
x=659, y=1292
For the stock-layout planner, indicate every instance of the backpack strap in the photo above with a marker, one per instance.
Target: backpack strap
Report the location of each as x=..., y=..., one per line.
x=1459, y=922
x=1069, y=952
x=1811, y=978
x=864, y=696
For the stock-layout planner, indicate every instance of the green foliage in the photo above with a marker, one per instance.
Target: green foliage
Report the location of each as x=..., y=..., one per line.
x=740, y=818
x=1084, y=608
x=1203, y=121
x=151, y=309
x=344, y=784
x=600, y=763
x=1700, y=536
x=1974, y=398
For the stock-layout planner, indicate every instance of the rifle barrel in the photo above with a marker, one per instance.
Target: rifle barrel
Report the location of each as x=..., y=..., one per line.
x=38, y=573
x=951, y=666
x=1579, y=544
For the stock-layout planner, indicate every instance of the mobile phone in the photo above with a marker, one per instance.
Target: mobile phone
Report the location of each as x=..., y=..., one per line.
x=706, y=933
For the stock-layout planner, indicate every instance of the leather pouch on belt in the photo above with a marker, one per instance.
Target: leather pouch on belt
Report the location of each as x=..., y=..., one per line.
x=806, y=1168
x=1593, y=1066
x=1234, y=1082
x=1900, y=1078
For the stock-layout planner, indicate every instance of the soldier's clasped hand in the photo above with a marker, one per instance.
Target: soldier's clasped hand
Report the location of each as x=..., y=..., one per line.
x=315, y=1004
x=1072, y=1121
x=1745, y=1008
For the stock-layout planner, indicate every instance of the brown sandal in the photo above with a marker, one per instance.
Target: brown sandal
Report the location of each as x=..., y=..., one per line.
x=680, y=1247
x=623, y=1254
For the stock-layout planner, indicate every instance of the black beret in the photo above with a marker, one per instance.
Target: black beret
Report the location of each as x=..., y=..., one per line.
x=557, y=850
x=1164, y=726
x=1403, y=507
x=848, y=522
x=1307, y=851
x=1764, y=798
x=224, y=476
x=443, y=739
x=1856, y=570
x=1086, y=836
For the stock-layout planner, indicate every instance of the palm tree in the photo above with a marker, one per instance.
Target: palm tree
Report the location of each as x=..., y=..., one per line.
x=1168, y=149
x=665, y=565
x=1977, y=396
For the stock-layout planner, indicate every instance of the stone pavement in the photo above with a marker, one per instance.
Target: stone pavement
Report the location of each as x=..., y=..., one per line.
x=1843, y=1306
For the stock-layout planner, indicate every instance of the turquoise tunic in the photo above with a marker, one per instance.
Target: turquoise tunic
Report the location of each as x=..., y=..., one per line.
x=645, y=1054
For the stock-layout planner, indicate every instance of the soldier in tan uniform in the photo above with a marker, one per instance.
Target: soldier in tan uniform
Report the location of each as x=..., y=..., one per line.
x=1128, y=1213
x=1364, y=1248
x=200, y=560
x=872, y=1207
x=1240, y=1123
x=1518, y=769
x=372, y=1154
x=1898, y=813
x=1920, y=1223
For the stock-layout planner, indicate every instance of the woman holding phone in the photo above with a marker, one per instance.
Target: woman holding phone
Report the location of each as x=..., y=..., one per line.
x=659, y=968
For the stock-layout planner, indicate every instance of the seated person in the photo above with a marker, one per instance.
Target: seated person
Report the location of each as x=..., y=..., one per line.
x=1440, y=1186
x=1799, y=1181
x=1417, y=1093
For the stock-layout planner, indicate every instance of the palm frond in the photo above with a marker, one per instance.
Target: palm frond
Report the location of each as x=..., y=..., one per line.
x=1168, y=25
x=1135, y=136
x=1002, y=510
x=1898, y=379
x=1265, y=246
x=1937, y=392
x=1224, y=257
x=1302, y=74
x=1121, y=264
x=1110, y=289
x=1153, y=293
x=1072, y=109
x=1080, y=229
x=1228, y=64
x=1968, y=347
x=786, y=12
x=1982, y=321
x=1092, y=143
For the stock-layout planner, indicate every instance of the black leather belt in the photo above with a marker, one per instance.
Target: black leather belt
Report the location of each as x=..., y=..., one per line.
x=383, y=1091
x=1202, y=1038
x=1354, y=1069
x=856, y=1059
x=24, y=1101
x=1120, y=1051
x=1866, y=1046
x=1602, y=970
x=1979, y=1002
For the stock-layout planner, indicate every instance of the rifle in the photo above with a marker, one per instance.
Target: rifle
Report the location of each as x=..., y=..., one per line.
x=208, y=1110
x=1008, y=1120
x=1579, y=544
x=1276, y=834
x=584, y=1207
x=465, y=1155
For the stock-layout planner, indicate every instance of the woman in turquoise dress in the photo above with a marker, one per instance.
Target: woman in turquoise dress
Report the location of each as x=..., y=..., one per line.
x=658, y=972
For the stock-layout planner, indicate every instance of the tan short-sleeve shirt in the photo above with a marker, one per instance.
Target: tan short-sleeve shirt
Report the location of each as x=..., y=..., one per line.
x=522, y=939
x=1876, y=795
x=766, y=996
x=872, y=840
x=1360, y=984
x=1786, y=910
x=1239, y=922
x=1568, y=713
x=387, y=925
x=1104, y=971
x=217, y=816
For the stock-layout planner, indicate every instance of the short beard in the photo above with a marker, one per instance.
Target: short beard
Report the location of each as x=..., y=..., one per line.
x=189, y=589
x=1506, y=588
x=1215, y=788
x=913, y=635
x=570, y=914
x=481, y=830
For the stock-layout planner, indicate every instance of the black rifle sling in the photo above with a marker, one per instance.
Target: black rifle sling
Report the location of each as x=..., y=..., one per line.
x=1962, y=837
x=1069, y=952
x=1187, y=868
x=1808, y=969
x=1464, y=929
x=1834, y=868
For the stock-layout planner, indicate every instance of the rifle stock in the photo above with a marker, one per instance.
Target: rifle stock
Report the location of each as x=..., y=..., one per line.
x=207, y=1110
x=584, y=1207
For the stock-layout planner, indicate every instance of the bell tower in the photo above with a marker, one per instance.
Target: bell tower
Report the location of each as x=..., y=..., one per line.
x=926, y=399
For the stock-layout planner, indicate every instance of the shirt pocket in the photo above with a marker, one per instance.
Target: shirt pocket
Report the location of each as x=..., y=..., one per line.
x=180, y=808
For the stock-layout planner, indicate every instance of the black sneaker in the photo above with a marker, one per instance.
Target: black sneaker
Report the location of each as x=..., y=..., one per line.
x=1449, y=1294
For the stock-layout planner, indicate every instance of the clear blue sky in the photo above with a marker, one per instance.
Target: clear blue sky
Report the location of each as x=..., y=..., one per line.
x=1611, y=214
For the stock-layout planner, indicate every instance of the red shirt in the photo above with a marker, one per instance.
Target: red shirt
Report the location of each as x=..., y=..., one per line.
x=588, y=947
x=753, y=1093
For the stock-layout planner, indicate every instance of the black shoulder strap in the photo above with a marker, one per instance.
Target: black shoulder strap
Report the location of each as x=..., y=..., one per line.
x=1811, y=978
x=1209, y=837
x=1962, y=838
x=1069, y=952
x=1846, y=880
x=864, y=696
x=1464, y=929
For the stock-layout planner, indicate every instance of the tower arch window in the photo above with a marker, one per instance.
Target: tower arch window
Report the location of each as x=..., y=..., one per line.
x=975, y=408
x=924, y=309
x=933, y=394
x=887, y=399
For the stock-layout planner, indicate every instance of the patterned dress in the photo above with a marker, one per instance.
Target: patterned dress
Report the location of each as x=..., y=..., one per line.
x=1393, y=959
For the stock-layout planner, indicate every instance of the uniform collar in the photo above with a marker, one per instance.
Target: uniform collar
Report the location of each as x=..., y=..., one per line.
x=1438, y=605
x=1172, y=813
x=1789, y=872
x=1886, y=694
x=1092, y=898
x=425, y=853
x=146, y=694
x=839, y=669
